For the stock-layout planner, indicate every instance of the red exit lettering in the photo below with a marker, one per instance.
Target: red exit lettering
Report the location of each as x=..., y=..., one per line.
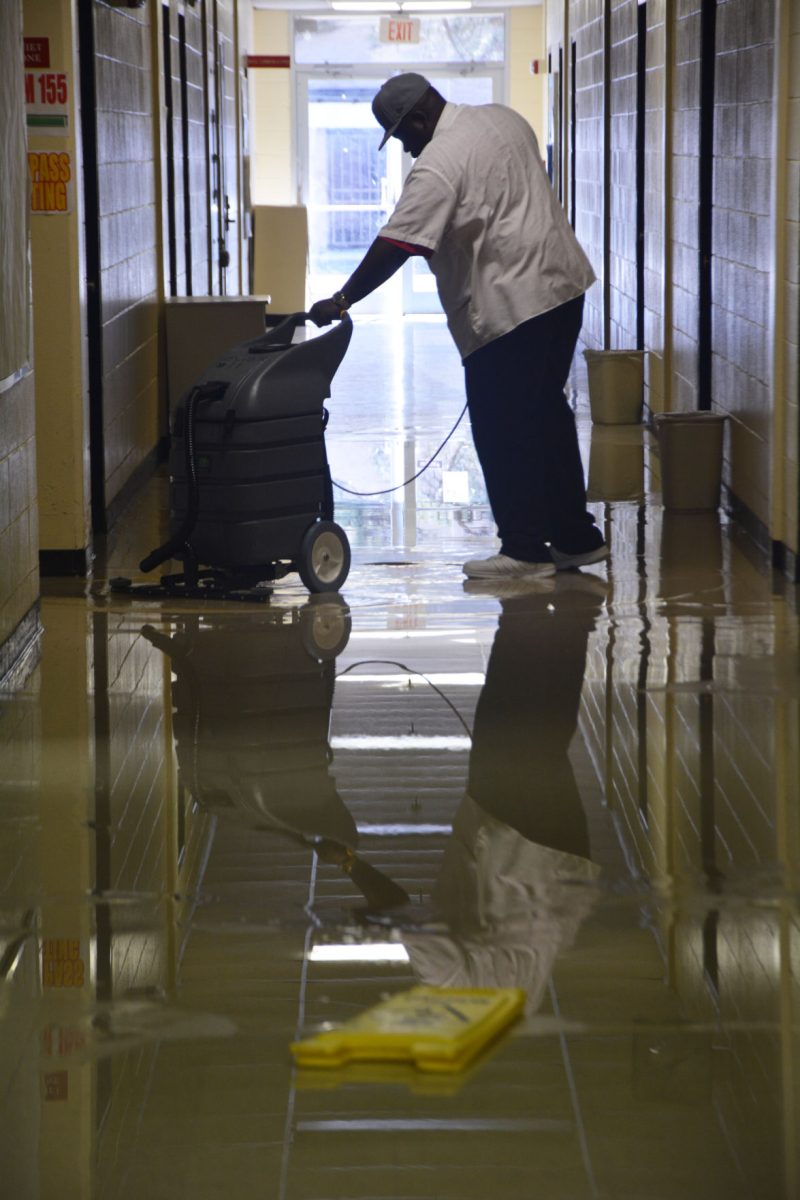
x=401, y=31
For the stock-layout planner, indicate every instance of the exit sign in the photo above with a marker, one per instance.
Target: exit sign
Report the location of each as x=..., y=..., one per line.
x=400, y=29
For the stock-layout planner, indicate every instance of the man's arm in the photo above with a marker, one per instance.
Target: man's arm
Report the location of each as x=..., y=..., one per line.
x=379, y=263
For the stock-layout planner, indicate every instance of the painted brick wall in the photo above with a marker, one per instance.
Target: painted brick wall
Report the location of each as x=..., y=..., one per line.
x=19, y=526
x=193, y=272
x=127, y=172
x=742, y=241
x=19, y=540
x=198, y=140
x=791, y=292
x=586, y=18
x=623, y=175
x=685, y=200
x=655, y=204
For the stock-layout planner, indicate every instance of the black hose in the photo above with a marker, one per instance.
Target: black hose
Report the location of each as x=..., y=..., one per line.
x=178, y=541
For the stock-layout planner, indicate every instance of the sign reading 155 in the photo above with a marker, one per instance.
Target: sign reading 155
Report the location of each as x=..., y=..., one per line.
x=52, y=87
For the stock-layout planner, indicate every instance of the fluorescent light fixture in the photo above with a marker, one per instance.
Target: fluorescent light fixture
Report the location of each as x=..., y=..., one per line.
x=365, y=6
x=436, y=5
x=365, y=952
x=437, y=678
x=405, y=635
x=406, y=741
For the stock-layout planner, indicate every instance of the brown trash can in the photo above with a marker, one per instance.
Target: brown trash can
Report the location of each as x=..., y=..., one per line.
x=616, y=386
x=690, y=450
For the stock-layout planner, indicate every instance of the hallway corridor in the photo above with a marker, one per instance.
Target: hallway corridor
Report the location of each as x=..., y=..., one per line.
x=224, y=826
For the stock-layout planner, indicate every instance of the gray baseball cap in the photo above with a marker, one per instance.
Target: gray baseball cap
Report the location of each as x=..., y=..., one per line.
x=396, y=99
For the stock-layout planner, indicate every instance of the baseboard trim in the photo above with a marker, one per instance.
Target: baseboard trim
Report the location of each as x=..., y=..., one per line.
x=753, y=526
x=786, y=561
x=19, y=653
x=776, y=553
x=60, y=564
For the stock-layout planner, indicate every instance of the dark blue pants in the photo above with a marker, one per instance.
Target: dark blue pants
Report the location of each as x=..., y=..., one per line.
x=525, y=437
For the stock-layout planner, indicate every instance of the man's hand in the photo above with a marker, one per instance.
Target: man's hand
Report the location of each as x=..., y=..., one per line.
x=324, y=312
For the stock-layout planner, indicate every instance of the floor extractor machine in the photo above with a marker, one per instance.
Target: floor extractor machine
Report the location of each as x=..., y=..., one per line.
x=251, y=497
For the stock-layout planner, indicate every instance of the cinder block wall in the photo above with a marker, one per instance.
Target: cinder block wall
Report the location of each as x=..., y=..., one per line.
x=743, y=245
x=755, y=221
x=129, y=239
x=587, y=29
x=685, y=120
x=656, y=181
x=19, y=578
x=790, y=284
x=622, y=164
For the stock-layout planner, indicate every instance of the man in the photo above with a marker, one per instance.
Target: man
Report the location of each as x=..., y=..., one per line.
x=511, y=277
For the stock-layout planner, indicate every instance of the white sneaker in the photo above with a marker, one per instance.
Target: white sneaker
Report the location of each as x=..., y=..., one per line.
x=565, y=561
x=500, y=566
x=511, y=588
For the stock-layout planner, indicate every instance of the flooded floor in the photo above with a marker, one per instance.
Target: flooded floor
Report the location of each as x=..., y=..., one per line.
x=226, y=826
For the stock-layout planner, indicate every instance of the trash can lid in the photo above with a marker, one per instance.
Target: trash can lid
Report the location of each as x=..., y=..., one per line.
x=636, y=355
x=689, y=418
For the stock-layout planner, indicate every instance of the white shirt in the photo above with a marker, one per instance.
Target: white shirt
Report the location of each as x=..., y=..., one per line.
x=478, y=196
x=509, y=907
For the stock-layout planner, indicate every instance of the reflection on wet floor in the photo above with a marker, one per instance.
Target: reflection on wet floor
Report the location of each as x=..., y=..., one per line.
x=226, y=826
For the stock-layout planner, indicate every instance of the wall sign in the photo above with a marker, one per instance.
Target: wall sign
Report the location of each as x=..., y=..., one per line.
x=400, y=29
x=37, y=52
x=47, y=101
x=63, y=965
x=269, y=60
x=51, y=181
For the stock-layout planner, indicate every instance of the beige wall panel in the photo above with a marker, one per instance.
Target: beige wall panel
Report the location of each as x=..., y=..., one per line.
x=273, y=169
x=527, y=93
x=281, y=256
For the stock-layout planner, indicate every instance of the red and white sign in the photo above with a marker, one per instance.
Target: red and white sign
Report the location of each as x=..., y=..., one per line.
x=37, y=52
x=405, y=30
x=47, y=101
x=269, y=60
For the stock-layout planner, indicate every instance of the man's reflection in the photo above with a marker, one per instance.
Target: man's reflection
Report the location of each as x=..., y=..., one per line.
x=515, y=879
x=252, y=706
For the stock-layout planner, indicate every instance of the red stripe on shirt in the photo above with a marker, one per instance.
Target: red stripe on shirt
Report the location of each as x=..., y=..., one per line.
x=407, y=246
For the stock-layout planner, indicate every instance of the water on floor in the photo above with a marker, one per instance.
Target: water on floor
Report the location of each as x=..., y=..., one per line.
x=226, y=826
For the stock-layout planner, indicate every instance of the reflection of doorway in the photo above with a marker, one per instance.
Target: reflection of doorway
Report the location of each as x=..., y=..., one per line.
x=350, y=186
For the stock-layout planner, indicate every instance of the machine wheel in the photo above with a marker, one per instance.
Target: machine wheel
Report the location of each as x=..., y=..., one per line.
x=324, y=558
x=325, y=626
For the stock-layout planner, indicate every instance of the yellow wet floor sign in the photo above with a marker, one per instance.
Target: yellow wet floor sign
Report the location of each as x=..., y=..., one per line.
x=436, y=1029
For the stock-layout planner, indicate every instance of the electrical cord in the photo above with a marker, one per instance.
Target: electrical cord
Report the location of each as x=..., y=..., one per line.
x=390, y=662
x=397, y=487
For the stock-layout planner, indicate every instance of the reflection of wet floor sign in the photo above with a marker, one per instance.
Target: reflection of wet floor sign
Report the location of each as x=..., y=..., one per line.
x=437, y=1029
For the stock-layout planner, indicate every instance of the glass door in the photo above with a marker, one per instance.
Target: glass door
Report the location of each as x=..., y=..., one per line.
x=349, y=185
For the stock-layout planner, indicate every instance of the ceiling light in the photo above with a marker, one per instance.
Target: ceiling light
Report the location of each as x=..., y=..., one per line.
x=365, y=6
x=402, y=741
x=436, y=5
x=365, y=952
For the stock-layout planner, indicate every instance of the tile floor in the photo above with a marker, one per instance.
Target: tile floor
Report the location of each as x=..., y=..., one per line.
x=225, y=826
